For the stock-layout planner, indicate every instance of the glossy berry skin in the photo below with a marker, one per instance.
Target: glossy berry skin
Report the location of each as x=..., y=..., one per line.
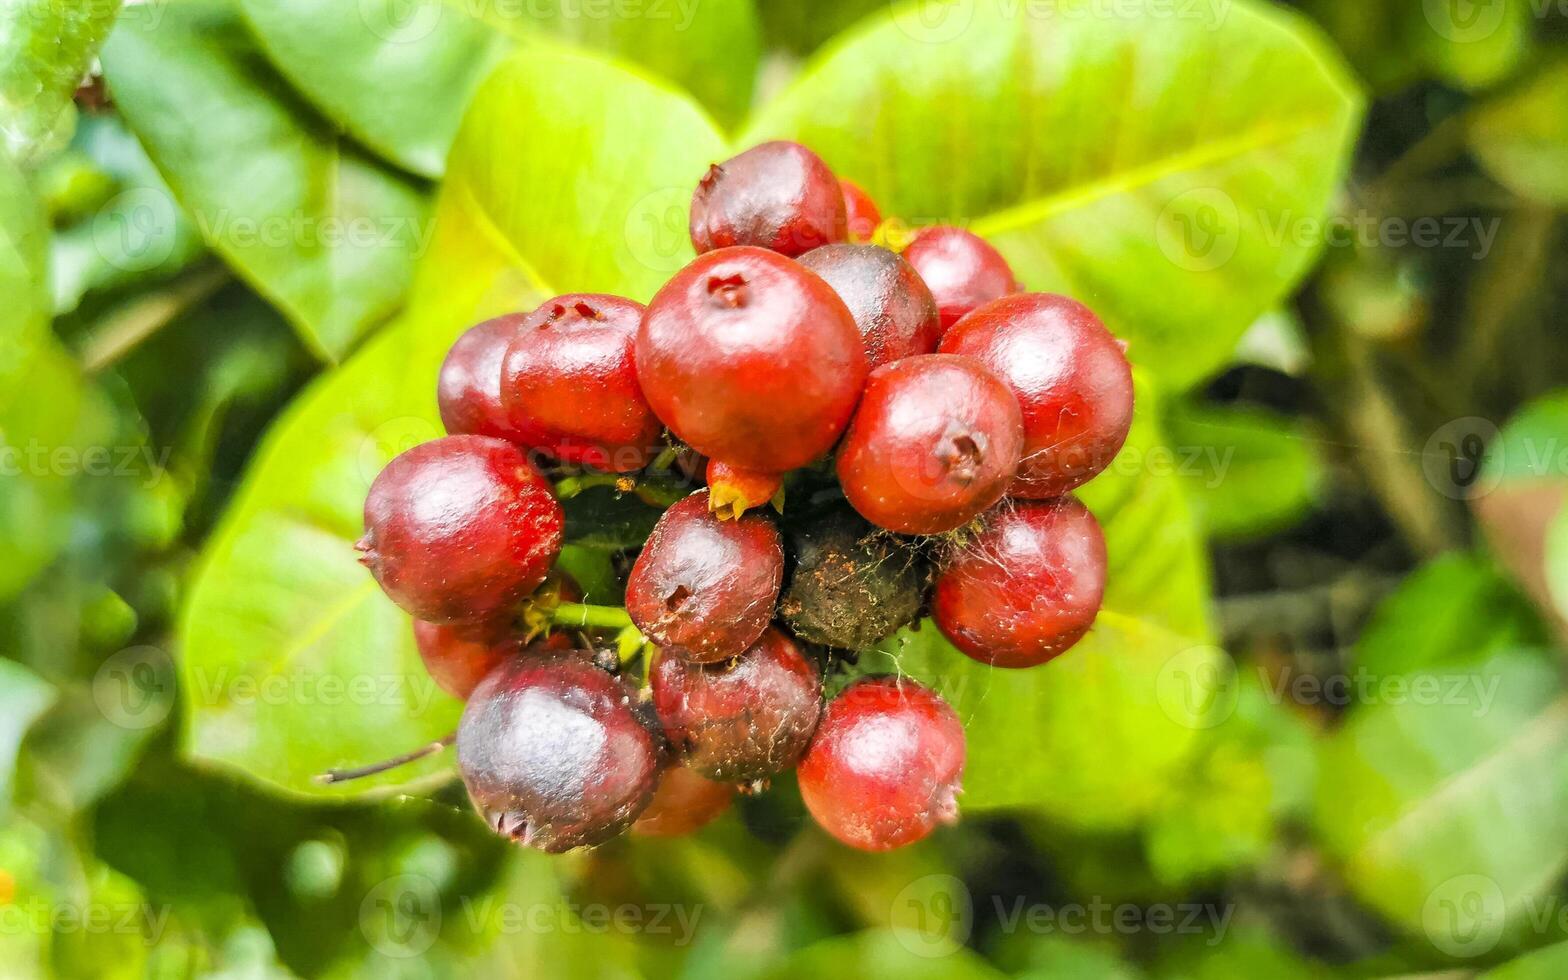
x=962, y=270
x=860, y=210
x=555, y=755
x=892, y=307
x=459, y=657
x=684, y=803
x=743, y=719
x=460, y=528
x=779, y=196
x=569, y=384
x=1071, y=378
x=1027, y=587
x=703, y=589
x=936, y=441
x=468, y=389
x=732, y=491
x=885, y=766
x=751, y=359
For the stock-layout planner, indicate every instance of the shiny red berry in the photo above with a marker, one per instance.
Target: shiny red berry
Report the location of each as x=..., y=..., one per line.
x=743, y=719
x=704, y=589
x=962, y=270
x=885, y=767
x=684, y=803
x=779, y=196
x=860, y=210
x=1027, y=587
x=468, y=389
x=732, y=491
x=569, y=384
x=459, y=529
x=1072, y=380
x=892, y=307
x=751, y=359
x=458, y=657
x=935, y=442
x=555, y=754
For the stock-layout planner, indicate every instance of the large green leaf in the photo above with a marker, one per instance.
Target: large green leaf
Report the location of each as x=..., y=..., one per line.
x=326, y=233
x=397, y=74
x=45, y=50
x=1252, y=472
x=280, y=596
x=1521, y=137
x=24, y=696
x=1451, y=737
x=882, y=953
x=1165, y=168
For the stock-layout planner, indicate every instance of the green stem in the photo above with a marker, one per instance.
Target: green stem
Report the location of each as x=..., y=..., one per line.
x=590, y=617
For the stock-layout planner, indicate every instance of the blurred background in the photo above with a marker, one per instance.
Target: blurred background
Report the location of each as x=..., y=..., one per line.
x=1320, y=730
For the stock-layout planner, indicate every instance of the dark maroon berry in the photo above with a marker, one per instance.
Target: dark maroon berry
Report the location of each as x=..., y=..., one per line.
x=862, y=214
x=704, y=589
x=892, y=307
x=885, y=766
x=569, y=385
x=744, y=719
x=459, y=529
x=1027, y=587
x=779, y=196
x=554, y=754
x=935, y=442
x=962, y=270
x=468, y=390
x=459, y=657
x=751, y=359
x=684, y=803
x=1072, y=380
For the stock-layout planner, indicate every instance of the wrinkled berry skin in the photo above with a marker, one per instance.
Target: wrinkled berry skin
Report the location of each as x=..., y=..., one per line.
x=1072, y=380
x=849, y=586
x=554, y=755
x=468, y=389
x=935, y=442
x=885, y=766
x=569, y=385
x=703, y=589
x=779, y=196
x=459, y=657
x=1027, y=587
x=744, y=719
x=961, y=269
x=862, y=214
x=892, y=307
x=460, y=528
x=683, y=804
x=751, y=359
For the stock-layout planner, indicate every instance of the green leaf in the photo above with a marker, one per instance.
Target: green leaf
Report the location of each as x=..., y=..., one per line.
x=45, y=50
x=1251, y=472
x=881, y=953
x=280, y=596
x=1521, y=137
x=803, y=26
x=24, y=697
x=1543, y=964
x=397, y=74
x=326, y=233
x=1161, y=167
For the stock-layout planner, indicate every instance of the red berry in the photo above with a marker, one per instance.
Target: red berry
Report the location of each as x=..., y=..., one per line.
x=459, y=529
x=778, y=196
x=704, y=589
x=860, y=210
x=751, y=359
x=553, y=753
x=936, y=441
x=569, y=384
x=1072, y=380
x=1027, y=587
x=684, y=803
x=745, y=719
x=962, y=270
x=469, y=387
x=892, y=307
x=885, y=766
x=459, y=657
x=732, y=491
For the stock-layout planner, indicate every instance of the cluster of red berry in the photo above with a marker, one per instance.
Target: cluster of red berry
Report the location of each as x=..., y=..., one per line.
x=958, y=412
